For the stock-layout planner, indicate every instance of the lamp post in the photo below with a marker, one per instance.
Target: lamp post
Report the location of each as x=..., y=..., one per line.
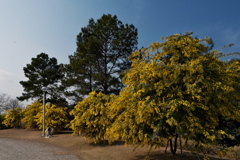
x=44, y=103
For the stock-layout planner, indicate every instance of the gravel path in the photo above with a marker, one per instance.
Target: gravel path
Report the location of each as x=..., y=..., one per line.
x=11, y=149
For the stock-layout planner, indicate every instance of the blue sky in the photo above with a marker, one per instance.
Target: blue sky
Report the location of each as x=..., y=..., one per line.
x=30, y=27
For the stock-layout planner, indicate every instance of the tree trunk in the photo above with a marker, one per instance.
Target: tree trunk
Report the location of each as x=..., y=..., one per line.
x=105, y=83
x=180, y=144
x=167, y=146
x=173, y=147
x=90, y=80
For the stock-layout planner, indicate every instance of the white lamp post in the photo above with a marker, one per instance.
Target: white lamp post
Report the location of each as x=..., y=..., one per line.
x=44, y=99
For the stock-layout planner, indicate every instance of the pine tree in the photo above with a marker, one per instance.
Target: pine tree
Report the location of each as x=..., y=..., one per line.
x=101, y=57
x=42, y=72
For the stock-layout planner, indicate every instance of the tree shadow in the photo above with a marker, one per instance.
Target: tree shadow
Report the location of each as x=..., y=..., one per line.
x=63, y=132
x=105, y=143
x=168, y=156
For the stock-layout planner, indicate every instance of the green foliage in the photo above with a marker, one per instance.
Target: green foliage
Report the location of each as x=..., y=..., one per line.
x=13, y=118
x=92, y=116
x=42, y=72
x=102, y=54
x=29, y=114
x=176, y=88
x=55, y=117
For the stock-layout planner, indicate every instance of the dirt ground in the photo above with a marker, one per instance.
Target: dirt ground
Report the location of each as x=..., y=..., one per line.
x=80, y=147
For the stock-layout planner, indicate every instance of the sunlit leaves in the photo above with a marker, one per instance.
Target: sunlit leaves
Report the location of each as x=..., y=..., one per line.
x=55, y=117
x=175, y=87
x=29, y=114
x=13, y=118
x=92, y=116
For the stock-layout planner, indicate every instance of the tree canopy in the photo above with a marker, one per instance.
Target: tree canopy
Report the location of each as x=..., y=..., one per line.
x=103, y=47
x=92, y=116
x=13, y=118
x=42, y=72
x=56, y=117
x=29, y=114
x=175, y=88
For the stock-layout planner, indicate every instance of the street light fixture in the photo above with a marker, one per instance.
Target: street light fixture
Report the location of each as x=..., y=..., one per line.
x=44, y=103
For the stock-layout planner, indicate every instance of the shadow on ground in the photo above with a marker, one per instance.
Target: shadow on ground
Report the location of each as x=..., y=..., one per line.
x=169, y=156
x=106, y=144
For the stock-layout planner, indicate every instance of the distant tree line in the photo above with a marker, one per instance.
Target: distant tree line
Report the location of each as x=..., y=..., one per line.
x=6, y=103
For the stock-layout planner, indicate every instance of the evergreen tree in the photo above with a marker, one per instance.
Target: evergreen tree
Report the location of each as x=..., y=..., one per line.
x=42, y=72
x=101, y=57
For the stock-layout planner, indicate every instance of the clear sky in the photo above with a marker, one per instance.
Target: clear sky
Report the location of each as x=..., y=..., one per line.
x=30, y=27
